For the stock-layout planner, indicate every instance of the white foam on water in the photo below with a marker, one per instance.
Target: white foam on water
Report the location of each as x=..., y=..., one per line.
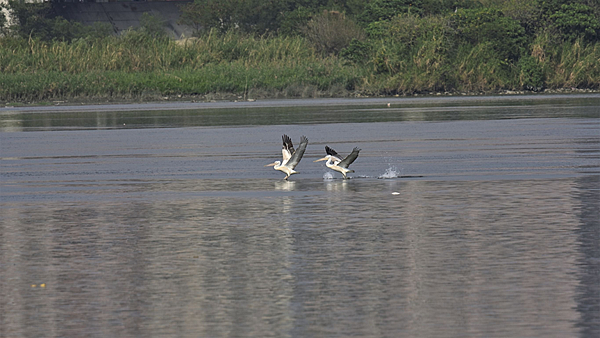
x=327, y=176
x=391, y=172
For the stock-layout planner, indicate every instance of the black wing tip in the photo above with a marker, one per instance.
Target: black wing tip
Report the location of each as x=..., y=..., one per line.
x=303, y=139
x=330, y=151
x=287, y=141
x=357, y=149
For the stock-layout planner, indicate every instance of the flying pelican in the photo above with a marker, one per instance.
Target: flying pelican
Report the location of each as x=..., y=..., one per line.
x=291, y=157
x=335, y=162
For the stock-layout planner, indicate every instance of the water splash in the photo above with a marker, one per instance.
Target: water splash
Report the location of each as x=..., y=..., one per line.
x=327, y=176
x=391, y=172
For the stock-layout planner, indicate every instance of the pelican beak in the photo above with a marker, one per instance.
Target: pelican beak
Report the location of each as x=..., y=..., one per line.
x=272, y=164
x=321, y=159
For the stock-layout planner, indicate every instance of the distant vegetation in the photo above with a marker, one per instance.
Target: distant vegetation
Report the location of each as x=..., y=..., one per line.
x=254, y=48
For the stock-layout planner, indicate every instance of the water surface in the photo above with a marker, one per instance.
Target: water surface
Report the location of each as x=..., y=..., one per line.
x=464, y=218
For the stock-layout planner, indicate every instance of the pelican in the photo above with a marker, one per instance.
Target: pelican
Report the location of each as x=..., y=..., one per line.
x=291, y=157
x=335, y=162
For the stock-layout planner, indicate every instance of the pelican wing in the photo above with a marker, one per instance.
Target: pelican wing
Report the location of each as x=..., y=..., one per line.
x=287, y=150
x=297, y=155
x=350, y=158
x=335, y=156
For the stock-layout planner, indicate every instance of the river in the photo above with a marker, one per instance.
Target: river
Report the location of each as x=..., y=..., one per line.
x=465, y=217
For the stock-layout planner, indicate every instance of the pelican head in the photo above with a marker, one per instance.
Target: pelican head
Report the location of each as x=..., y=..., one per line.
x=323, y=159
x=274, y=164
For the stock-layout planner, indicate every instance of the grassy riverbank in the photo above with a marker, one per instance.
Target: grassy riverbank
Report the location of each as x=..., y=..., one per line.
x=136, y=66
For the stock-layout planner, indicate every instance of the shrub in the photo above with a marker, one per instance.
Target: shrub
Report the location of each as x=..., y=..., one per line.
x=430, y=7
x=99, y=30
x=209, y=14
x=531, y=73
x=549, y=7
x=331, y=32
x=476, y=26
x=357, y=51
x=526, y=12
x=153, y=25
x=293, y=22
x=255, y=16
x=407, y=29
x=382, y=10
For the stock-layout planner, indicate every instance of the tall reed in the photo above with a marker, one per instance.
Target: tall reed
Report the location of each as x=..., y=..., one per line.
x=137, y=52
x=136, y=65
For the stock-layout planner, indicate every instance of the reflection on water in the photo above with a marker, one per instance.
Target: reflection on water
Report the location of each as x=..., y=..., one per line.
x=343, y=257
x=285, y=112
x=478, y=228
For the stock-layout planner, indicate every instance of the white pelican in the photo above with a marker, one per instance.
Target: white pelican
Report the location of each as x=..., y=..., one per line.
x=335, y=162
x=291, y=157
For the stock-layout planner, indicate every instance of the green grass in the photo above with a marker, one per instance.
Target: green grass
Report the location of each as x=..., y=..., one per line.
x=234, y=78
x=136, y=66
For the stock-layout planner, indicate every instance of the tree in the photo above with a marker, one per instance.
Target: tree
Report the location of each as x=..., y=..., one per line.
x=258, y=16
x=31, y=19
x=3, y=21
x=489, y=25
x=576, y=20
x=38, y=20
x=383, y=10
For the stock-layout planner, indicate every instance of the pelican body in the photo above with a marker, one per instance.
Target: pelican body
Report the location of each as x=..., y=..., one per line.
x=335, y=162
x=291, y=157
